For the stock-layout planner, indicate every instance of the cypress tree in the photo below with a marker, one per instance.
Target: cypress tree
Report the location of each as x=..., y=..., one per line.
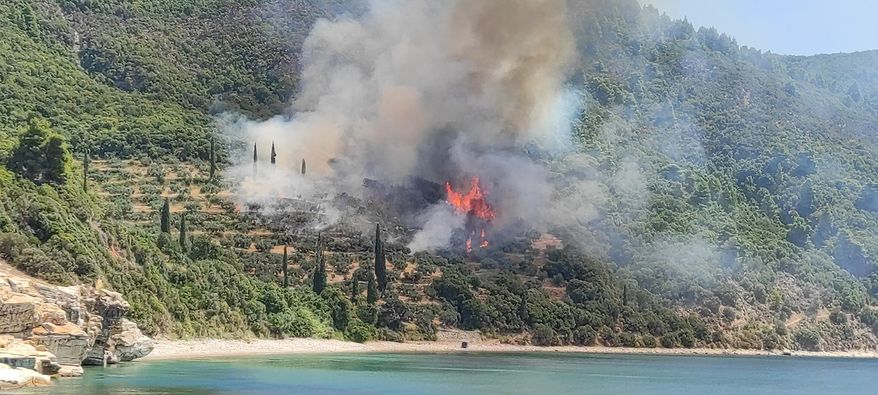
x=355, y=290
x=183, y=238
x=85, y=162
x=286, y=279
x=320, y=268
x=212, y=160
x=166, y=217
x=625, y=295
x=371, y=290
x=273, y=154
x=255, y=158
x=303, y=167
x=522, y=308
x=380, y=264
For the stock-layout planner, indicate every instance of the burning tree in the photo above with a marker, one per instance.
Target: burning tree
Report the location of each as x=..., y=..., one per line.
x=474, y=205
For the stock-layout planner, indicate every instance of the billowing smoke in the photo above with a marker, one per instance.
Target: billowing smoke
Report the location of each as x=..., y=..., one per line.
x=431, y=90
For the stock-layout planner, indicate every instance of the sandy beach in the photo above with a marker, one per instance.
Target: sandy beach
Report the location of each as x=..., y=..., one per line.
x=207, y=348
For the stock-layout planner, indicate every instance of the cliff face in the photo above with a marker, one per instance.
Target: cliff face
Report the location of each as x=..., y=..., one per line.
x=53, y=329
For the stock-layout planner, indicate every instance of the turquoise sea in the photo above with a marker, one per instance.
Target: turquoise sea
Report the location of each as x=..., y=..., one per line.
x=481, y=373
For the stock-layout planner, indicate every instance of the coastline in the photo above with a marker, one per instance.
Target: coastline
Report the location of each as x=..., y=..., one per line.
x=210, y=348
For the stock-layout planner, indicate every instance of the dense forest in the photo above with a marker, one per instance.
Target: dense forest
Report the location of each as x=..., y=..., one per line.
x=754, y=225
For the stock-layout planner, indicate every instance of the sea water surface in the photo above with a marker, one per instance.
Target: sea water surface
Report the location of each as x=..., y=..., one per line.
x=481, y=373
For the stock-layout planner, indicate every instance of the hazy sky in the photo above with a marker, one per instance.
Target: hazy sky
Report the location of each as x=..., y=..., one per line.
x=795, y=27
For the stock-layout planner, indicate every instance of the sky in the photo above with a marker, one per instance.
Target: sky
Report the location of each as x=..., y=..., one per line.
x=789, y=27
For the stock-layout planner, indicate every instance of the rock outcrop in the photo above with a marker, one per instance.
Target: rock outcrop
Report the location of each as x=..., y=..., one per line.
x=21, y=377
x=128, y=343
x=119, y=339
x=51, y=330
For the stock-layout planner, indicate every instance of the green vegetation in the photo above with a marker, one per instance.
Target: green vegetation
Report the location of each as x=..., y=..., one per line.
x=319, y=277
x=756, y=226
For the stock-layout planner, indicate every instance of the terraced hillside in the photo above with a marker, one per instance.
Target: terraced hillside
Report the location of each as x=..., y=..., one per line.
x=740, y=187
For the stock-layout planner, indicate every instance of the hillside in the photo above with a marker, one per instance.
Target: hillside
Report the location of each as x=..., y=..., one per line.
x=738, y=187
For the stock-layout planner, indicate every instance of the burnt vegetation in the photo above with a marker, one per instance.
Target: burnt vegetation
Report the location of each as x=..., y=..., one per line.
x=777, y=176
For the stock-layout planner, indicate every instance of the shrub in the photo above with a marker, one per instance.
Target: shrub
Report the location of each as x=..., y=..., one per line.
x=687, y=338
x=558, y=280
x=264, y=245
x=807, y=338
x=611, y=338
x=869, y=316
x=628, y=339
x=390, y=335
x=543, y=335
x=584, y=336
x=367, y=313
x=668, y=340
x=11, y=245
x=838, y=317
x=360, y=332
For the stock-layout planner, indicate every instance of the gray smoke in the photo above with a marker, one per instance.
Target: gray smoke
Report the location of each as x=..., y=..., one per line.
x=439, y=90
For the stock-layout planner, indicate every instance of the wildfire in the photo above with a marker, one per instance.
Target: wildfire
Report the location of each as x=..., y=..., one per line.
x=473, y=204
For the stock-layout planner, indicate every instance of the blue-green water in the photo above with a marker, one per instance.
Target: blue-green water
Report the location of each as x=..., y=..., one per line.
x=480, y=373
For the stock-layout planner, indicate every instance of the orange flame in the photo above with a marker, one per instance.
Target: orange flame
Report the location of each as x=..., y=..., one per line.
x=471, y=203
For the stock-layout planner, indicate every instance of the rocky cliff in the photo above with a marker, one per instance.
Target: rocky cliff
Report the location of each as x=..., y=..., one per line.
x=48, y=330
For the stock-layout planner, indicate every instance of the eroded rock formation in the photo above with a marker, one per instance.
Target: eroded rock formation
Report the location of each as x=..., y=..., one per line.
x=52, y=330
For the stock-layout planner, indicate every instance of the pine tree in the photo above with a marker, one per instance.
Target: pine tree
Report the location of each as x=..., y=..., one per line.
x=212, y=160
x=86, y=160
x=183, y=237
x=380, y=263
x=303, y=167
x=285, y=263
x=320, y=267
x=371, y=290
x=41, y=155
x=166, y=217
x=273, y=154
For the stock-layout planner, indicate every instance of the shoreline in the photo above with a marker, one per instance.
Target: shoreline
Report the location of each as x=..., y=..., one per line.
x=210, y=348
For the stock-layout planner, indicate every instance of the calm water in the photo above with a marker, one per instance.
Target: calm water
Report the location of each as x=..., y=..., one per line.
x=475, y=373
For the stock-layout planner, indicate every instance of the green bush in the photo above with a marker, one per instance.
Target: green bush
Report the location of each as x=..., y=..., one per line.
x=584, y=336
x=360, y=332
x=669, y=340
x=807, y=338
x=544, y=335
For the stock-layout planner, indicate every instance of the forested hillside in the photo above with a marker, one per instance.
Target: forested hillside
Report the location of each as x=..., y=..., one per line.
x=743, y=208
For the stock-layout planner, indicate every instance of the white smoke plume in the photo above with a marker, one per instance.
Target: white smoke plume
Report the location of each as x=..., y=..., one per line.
x=438, y=90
